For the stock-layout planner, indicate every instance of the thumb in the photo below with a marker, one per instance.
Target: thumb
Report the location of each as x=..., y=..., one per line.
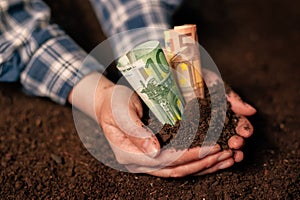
x=127, y=113
x=140, y=135
x=239, y=106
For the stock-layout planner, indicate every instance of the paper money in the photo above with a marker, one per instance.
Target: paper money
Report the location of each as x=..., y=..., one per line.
x=148, y=72
x=183, y=54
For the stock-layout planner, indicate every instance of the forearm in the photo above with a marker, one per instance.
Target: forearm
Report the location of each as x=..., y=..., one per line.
x=39, y=54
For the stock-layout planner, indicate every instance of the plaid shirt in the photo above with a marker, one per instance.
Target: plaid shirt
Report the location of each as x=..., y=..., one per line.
x=46, y=60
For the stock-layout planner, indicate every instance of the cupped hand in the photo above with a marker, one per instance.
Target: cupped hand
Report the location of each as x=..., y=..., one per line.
x=118, y=110
x=244, y=128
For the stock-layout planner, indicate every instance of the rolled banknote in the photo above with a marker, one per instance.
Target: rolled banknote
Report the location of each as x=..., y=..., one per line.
x=183, y=54
x=148, y=72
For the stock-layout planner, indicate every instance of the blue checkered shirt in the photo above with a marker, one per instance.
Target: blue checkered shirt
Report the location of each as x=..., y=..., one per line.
x=48, y=62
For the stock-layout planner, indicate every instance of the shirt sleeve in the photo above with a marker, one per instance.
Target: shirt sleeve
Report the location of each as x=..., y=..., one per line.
x=39, y=54
x=117, y=16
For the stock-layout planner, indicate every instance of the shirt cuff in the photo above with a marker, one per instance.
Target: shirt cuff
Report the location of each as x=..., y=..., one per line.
x=56, y=67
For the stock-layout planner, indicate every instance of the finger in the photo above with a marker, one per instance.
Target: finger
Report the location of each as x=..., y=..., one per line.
x=172, y=157
x=141, y=136
x=238, y=106
x=238, y=156
x=125, y=151
x=235, y=142
x=244, y=127
x=126, y=116
x=137, y=105
x=185, y=169
x=190, y=155
x=126, y=110
x=222, y=165
x=119, y=139
x=149, y=145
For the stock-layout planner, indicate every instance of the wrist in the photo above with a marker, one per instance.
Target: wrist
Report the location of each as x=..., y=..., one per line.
x=90, y=89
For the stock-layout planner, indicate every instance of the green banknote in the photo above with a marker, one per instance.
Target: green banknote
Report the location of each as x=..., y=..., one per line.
x=148, y=72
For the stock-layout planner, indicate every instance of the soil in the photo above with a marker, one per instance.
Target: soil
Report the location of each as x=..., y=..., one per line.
x=255, y=45
x=193, y=129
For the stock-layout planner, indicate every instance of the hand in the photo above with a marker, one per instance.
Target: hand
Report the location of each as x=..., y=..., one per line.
x=119, y=111
x=191, y=161
x=134, y=145
x=244, y=128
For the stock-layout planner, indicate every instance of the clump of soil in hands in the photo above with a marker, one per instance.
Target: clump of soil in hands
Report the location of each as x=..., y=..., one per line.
x=203, y=120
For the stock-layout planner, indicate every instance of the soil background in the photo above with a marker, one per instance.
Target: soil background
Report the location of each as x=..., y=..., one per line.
x=256, y=46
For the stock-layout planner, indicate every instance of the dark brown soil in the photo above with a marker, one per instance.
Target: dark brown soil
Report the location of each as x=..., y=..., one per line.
x=193, y=129
x=256, y=47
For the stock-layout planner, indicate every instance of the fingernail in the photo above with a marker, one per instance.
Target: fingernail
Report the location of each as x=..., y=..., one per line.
x=247, y=127
x=216, y=147
x=225, y=156
x=150, y=148
x=244, y=128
